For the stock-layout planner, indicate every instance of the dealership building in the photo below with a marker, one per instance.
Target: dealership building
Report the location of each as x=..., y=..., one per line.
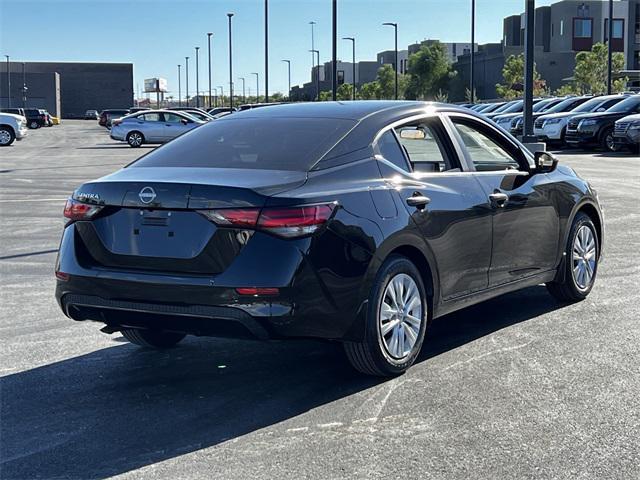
x=66, y=89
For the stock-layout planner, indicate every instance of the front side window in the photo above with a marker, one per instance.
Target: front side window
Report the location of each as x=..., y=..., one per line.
x=485, y=153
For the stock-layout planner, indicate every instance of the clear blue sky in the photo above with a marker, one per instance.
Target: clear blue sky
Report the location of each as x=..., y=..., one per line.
x=156, y=35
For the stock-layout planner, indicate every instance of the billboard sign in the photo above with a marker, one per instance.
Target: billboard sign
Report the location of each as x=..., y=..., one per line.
x=155, y=85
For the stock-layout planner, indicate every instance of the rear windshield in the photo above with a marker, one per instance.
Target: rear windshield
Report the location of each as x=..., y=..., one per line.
x=253, y=143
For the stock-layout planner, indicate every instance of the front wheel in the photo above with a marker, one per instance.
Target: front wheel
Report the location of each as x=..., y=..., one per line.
x=608, y=142
x=152, y=338
x=135, y=139
x=396, y=321
x=6, y=136
x=33, y=125
x=582, y=253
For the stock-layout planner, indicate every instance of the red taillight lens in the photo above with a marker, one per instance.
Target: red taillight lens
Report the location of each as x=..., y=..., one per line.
x=75, y=210
x=282, y=221
x=268, y=291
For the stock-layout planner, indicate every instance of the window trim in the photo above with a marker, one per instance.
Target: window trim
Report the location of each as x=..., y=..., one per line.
x=523, y=160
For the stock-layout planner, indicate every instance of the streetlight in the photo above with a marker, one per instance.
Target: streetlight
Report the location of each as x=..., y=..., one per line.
x=266, y=51
x=8, y=84
x=317, y=52
x=289, y=70
x=209, y=53
x=473, y=53
x=334, y=51
x=230, y=64
x=527, y=126
x=186, y=75
x=395, y=67
x=313, y=46
x=610, y=50
x=179, y=88
x=197, y=79
x=257, y=86
x=353, y=42
x=244, y=96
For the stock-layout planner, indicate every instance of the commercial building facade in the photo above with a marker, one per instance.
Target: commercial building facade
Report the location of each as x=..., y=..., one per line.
x=67, y=89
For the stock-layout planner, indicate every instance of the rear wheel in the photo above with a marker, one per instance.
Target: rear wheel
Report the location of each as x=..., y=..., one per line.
x=581, y=264
x=152, y=338
x=6, y=136
x=33, y=125
x=135, y=139
x=396, y=321
x=607, y=141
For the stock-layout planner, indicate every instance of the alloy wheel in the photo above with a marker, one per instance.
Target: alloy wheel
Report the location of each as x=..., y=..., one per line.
x=5, y=137
x=584, y=257
x=611, y=144
x=400, y=317
x=135, y=139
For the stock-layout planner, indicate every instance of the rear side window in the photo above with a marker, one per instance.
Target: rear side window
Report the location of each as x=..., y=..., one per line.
x=252, y=143
x=390, y=150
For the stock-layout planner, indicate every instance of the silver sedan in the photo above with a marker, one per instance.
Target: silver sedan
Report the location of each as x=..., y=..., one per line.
x=152, y=126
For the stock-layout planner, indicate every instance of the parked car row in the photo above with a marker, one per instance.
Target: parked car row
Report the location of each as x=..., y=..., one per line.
x=14, y=123
x=609, y=122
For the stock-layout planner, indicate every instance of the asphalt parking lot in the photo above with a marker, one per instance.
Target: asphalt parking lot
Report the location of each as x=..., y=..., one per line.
x=517, y=387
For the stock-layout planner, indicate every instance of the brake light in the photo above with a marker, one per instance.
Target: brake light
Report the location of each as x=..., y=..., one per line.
x=75, y=210
x=285, y=222
x=268, y=291
x=116, y=122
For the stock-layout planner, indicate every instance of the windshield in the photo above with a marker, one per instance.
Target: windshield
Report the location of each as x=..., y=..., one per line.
x=563, y=105
x=515, y=108
x=252, y=143
x=590, y=105
x=626, y=105
x=504, y=107
x=543, y=105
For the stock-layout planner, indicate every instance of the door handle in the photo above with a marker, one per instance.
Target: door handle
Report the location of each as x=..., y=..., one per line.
x=418, y=201
x=498, y=199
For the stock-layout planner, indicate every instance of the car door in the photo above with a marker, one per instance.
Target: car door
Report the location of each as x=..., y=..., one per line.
x=175, y=125
x=417, y=159
x=150, y=125
x=525, y=220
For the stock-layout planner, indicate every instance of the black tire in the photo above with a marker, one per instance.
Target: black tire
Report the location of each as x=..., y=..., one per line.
x=135, y=139
x=568, y=289
x=34, y=125
x=607, y=141
x=152, y=338
x=371, y=356
x=7, y=136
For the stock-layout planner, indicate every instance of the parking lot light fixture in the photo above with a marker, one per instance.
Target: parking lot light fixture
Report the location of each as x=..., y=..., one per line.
x=395, y=66
x=230, y=15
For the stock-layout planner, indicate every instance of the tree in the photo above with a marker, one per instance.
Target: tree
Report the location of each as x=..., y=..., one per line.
x=513, y=75
x=590, y=74
x=369, y=91
x=429, y=71
x=325, y=96
x=345, y=92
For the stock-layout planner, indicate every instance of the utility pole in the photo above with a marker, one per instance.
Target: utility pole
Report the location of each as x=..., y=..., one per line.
x=353, y=60
x=197, y=79
x=473, y=53
x=266, y=51
x=610, y=50
x=209, y=53
x=334, y=51
x=230, y=64
x=527, y=134
x=186, y=75
x=179, y=88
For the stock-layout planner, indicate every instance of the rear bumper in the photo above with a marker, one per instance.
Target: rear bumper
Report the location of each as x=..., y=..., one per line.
x=313, y=300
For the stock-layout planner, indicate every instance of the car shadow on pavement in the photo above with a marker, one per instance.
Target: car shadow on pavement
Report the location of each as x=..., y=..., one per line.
x=122, y=407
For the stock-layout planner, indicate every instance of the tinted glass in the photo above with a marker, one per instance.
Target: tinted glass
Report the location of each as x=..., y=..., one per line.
x=628, y=105
x=252, y=143
x=423, y=148
x=173, y=118
x=390, y=150
x=150, y=117
x=565, y=105
x=589, y=105
x=485, y=153
x=515, y=108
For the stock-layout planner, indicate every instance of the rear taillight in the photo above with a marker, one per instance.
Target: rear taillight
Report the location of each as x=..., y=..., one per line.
x=116, y=122
x=285, y=222
x=75, y=210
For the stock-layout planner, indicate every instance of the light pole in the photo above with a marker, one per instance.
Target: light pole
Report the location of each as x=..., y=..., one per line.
x=244, y=96
x=473, y=53
x=610, y=50
x=334, y=51
x=266, y=51
x=186, y=81
x=8, y=84
x=527, y=127
x=179, y=88
x=289, y=76
x=317, y=52
x=395, y=67
x=230, y=64
x=197, y=79
x=313, y=46
x=24, y=85
x=221, y=95
x=209, y=35
x=257, y=86
x=353, y=59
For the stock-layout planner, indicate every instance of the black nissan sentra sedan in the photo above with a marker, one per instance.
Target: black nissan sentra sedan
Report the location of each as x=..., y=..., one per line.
x=358, y=222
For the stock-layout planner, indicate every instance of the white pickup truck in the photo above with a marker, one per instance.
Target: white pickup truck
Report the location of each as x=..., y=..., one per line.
x=12, y=127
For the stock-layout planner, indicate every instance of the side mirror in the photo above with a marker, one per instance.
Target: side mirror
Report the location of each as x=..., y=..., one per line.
x=184, y=121
x=545, y=162
x=601, y=109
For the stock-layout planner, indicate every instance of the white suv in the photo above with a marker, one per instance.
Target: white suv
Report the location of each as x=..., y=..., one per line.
x=12, y=127
x=552, y=127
